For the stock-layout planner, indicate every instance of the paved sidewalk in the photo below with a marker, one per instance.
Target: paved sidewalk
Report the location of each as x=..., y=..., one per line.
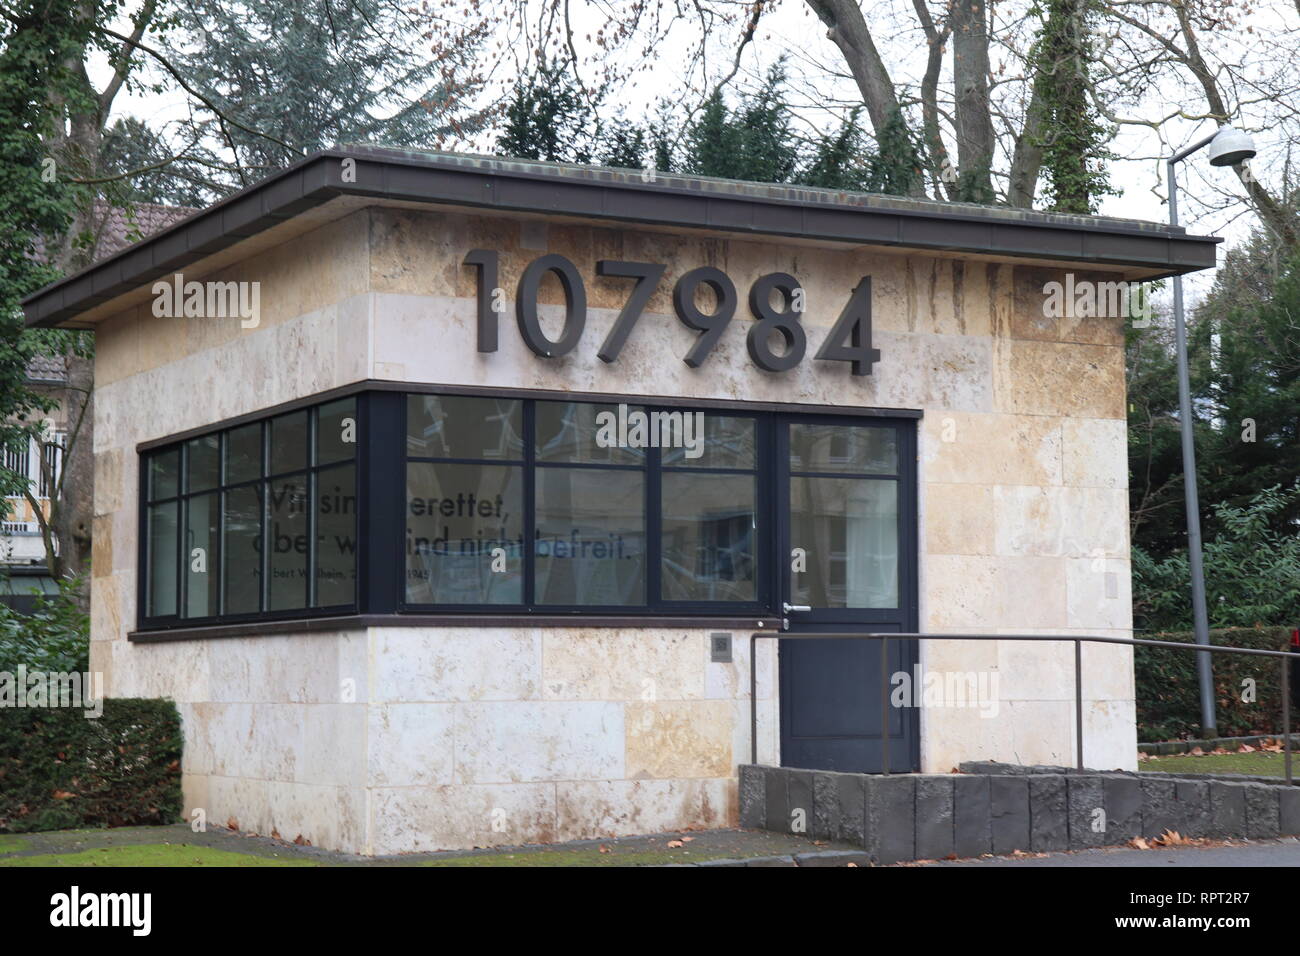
x=1283, y=852
x=177, y=845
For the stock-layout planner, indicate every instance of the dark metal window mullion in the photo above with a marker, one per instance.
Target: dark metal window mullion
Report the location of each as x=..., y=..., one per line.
x=313, y=415
x=183, y=529
x=653, y=519
x=530, y=504
x=220, y=568
x=264, y=520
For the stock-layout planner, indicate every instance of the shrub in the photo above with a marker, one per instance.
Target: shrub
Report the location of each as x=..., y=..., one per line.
x=60, y=769
x=1168, y=695
x=54, y=637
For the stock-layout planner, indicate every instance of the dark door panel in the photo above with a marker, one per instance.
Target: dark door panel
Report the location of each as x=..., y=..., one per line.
x=849, y=506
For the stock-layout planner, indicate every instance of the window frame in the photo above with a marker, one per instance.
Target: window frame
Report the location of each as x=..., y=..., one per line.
x=652, y=469
x=380, y=459
x=308, y=474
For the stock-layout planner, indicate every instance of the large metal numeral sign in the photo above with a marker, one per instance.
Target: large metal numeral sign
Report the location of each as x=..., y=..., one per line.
x=849, y=339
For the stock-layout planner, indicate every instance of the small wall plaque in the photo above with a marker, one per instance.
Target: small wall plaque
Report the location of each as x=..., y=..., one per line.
x=720, y=648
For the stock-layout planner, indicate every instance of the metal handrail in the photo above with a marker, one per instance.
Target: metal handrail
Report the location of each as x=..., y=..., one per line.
x=1078, y=640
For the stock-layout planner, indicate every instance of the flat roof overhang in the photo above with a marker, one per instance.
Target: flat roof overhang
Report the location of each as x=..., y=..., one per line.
x=660, y=201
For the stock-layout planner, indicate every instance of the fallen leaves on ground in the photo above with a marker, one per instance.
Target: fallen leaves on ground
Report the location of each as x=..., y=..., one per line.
x=1171, y=838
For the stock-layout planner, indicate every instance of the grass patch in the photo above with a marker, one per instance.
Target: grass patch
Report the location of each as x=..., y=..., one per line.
x=1255, y=764
x=152, y=854
x=12, y=844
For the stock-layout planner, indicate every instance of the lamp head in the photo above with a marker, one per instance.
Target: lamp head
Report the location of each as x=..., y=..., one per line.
x=1230, y=147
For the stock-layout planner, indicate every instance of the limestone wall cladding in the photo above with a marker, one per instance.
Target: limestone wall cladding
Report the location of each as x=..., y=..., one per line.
x=1024, y=473
x=1024, y=527
x=389, y=740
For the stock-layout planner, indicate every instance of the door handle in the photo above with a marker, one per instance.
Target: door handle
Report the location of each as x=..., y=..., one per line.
x=787, y=607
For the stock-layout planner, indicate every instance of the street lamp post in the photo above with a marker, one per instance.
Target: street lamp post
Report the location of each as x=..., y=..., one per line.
x=1228, y=147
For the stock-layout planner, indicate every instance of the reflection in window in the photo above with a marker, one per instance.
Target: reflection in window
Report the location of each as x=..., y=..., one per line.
x=289, y=443
x=244, y=454
x=335, y=494
x=162, y=552
x=464, y=533
x=241, y=550
x=454, y=426
x=729, y=442
x=202, y=470
x=848, y=529
x=590, y=541
x=336, y=431
x=202, y=526
x=709, y=532
x=286, y=538
x=569, y=432
x=861, y=449
x=234, y=538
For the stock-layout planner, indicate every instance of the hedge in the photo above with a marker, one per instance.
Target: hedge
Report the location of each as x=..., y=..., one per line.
x=1168, y=698
x=60, y=769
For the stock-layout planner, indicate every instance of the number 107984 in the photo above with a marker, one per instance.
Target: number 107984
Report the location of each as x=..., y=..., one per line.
x=849, y=339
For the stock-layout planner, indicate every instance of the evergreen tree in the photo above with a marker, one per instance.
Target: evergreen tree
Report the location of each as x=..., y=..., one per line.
x=895, y=168
x=838, y=159
x=549, y=118
x=624, y=146
x=313, y=74
x=754, y=142
x=1244, y=365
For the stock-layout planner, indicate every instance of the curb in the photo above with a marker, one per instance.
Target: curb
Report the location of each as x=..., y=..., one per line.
x=1166, y=748
x=815, y=858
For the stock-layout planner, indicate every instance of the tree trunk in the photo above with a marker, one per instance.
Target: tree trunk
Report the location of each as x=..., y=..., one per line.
x=973, y=121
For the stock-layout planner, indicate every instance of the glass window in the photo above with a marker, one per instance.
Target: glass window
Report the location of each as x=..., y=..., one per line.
x=860, y=449
x=244, y=454
x=709, y=537
x=286, y=537
x=336, y=536
x=202, y=528
x=336, y=431
x=289, y=443
x=231, y=534
x=590, y=541
x=202, y=469
x=241, y=550
x=725, y=442
x=848, y=530
x=162, y=555
x=453, y=426
x=464, y=533
x=579, y=432
x=520, y=505
x=164, y=474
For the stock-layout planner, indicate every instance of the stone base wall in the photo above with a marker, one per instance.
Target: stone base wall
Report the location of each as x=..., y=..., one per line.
x=935, y=816
x=405, y=739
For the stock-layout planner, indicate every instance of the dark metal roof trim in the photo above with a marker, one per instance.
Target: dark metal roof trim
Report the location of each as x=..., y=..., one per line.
x=512, y=186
